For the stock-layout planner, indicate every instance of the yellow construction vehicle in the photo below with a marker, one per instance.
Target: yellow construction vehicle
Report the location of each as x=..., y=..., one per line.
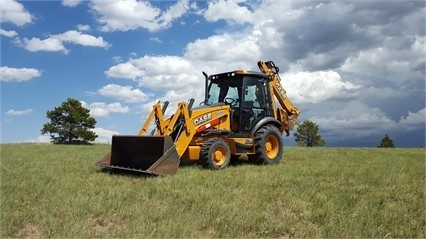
x=239, y=116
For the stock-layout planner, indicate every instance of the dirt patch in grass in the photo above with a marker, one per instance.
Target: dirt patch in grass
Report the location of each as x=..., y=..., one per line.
x=30, y=231
x=101, y=226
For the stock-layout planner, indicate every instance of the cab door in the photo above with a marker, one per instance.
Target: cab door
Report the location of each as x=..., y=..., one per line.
x=255, y=103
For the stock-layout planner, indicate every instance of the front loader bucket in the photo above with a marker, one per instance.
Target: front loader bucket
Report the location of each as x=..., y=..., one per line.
x=148, y=154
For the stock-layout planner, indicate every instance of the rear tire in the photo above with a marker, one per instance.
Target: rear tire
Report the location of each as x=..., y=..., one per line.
x=215, y=154
x=269, y=146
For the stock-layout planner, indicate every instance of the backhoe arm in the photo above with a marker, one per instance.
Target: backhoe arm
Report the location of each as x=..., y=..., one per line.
x=289, y=113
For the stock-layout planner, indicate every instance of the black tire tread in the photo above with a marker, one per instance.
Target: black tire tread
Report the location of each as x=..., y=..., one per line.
x=259, y=157
x=205, y=154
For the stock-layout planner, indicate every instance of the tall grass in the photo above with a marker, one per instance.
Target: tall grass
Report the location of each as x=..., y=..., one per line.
x=57, y=191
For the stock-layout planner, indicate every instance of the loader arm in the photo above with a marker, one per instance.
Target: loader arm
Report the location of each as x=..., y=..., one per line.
x=157, y=113
x=166, y=126
x=288, y=114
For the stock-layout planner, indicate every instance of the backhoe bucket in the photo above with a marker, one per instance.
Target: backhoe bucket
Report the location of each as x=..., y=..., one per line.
x=148, y=154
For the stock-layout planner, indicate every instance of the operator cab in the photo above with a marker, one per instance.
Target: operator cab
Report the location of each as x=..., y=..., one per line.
x=247, y=92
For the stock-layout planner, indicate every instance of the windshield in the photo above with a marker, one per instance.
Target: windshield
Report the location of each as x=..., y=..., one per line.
x=226, y=88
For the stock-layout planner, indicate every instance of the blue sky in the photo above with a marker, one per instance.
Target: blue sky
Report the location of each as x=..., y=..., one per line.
x=356, y=68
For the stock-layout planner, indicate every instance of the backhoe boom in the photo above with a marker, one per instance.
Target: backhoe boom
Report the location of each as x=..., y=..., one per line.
x=289, y=113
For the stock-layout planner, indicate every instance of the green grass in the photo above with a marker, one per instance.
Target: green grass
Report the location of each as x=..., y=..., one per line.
x=57, y=191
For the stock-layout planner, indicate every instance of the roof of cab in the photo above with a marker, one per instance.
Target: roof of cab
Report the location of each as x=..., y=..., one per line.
x=236, y=73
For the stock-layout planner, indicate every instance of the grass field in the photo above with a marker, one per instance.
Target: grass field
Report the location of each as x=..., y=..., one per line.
x=57, y=191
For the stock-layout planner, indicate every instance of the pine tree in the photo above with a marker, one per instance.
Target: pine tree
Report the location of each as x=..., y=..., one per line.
x=70, y=123
x=307, y=135
x=386, y=142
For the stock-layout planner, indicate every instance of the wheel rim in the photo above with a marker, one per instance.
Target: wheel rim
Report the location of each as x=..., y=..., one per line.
x=271, y=147
x=219, y=155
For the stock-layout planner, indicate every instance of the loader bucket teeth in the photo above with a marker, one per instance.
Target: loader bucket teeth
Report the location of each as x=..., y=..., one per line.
x=148, y=154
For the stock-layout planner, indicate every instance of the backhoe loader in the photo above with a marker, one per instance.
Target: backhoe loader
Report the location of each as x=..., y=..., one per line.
x=239, y=116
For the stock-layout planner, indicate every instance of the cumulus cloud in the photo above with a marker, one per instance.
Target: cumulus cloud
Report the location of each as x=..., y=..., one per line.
x=218, y=53
x=225, y=48
x=230, y=11
x=83, y=28
x=36, y=44
x=101, y=109
x=14, y=12
x=10, y=74
x=413, y=121
x=71, y=3
x=123, y=93
x=159, y=72
x=319, y=86
x=127, y=70
x=19, y=112
x=56, y=42
x=8, y=33
x=80, y=38
x=104, y=135
x=124, y=15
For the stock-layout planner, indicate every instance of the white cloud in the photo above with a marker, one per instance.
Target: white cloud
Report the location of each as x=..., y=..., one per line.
x=124, y=15
x=218, y=53
x=8, y=33
x=83, y=28
x=19, y=112
x=36, y=44
x=180, y=78
x=225, y=48
x=117, y=59
x=319, y=86
x=124, y=93
x=419, y=44
x=79, y=38
x=14, y=12
x=56, y=42
x=42, y=139
x=414, y=120
x=18, y=74
x=125, y=70
x=155, y=39
x=101, y=109
x=104, y=135
x=229, y=10
x=71, y=3
x=162, y=72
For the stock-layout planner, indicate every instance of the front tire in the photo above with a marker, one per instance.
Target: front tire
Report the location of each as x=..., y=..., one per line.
x=268, y=146
x=215, y=154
